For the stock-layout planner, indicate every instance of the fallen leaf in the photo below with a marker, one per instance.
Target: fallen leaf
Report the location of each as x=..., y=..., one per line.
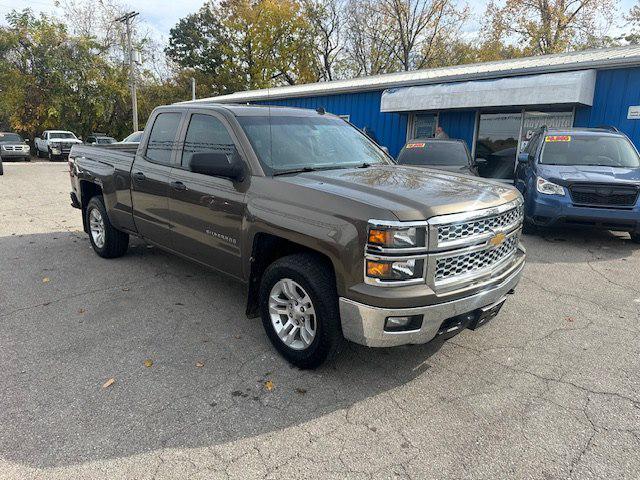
x=269, y=385
x=81, y=311
x=301, y=391
x=45, y=280
x=199, y=364
x=569, y=319
x=109, y=382
x=148, y=363
x=125, y=289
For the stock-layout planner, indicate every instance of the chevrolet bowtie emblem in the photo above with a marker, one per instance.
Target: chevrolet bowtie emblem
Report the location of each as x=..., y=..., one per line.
x=497, y=239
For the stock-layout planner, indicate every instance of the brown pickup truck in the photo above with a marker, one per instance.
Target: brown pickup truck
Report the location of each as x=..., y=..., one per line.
x=331, y=238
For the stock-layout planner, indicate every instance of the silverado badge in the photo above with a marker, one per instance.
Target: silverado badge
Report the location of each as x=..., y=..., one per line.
x=497, y=239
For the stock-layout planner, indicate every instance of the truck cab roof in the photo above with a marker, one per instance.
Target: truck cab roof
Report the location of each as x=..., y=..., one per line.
x=242, y=110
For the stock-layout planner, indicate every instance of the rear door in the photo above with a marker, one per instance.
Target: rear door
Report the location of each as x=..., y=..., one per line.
x=150, y=178
x=207, y=212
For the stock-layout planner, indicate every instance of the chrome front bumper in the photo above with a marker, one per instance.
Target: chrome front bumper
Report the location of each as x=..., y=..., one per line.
x=364, y=324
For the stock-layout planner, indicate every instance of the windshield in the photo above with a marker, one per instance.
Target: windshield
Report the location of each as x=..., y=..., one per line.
x=315, y=142
x=61, y=135
x=133, y=138
x=10, y=137
x=105, y=140
x=586, y=150
x=420, y=152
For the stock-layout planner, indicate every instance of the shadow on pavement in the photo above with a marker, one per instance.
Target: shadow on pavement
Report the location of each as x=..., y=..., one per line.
x=71, y=321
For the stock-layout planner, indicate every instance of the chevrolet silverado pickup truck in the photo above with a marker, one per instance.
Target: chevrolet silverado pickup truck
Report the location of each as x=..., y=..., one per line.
x=331, y=238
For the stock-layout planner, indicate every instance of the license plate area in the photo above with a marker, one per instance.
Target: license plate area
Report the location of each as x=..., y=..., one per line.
x=486, y=313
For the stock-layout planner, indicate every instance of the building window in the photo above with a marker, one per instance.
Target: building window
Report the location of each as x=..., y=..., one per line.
x=501, y=136
x=423, y=125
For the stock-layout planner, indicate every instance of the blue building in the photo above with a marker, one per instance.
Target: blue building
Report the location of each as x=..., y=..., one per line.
x=493, y=106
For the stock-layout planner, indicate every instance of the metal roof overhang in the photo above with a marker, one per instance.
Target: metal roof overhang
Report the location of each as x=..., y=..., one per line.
x=566, y=88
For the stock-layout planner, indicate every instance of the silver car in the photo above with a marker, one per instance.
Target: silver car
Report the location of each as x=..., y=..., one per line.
x=13, y=147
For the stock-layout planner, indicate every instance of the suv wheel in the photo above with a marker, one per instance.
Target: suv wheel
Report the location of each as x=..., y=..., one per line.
x=105, y=239
x=299, y=309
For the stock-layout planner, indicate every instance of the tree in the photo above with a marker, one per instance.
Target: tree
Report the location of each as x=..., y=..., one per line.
x=51, y=79
x=327, y=22
x=368, y=31
x=550, y=26
x=245, y=44
x=422, y=28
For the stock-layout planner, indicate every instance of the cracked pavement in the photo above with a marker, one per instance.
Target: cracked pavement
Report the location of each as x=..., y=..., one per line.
x=550, y=388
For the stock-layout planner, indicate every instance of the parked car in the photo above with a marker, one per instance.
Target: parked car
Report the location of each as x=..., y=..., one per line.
x=13, y=147
x=579, y=176
x=331, y=238
x=55, y=144
x=100, y=139
x=133, y=138
x=443, y=154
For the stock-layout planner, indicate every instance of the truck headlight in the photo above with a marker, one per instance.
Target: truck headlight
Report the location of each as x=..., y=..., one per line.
x=548, y=188
x=393, y=237
x=395, y=270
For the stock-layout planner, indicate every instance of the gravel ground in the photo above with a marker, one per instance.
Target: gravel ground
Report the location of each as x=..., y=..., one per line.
x=548, y=389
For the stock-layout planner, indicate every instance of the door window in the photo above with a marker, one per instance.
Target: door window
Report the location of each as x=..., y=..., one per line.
x=206, y=134
x=162, y=138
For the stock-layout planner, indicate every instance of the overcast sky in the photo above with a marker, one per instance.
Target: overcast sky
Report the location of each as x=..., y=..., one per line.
x=160, y=16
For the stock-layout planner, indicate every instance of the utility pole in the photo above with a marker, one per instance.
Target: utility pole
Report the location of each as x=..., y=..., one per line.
x=193, y=88
x=126, y=19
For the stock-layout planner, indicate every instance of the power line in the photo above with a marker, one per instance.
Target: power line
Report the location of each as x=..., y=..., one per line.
x=126, y=19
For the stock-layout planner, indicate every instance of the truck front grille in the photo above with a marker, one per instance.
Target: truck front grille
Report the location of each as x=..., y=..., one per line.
x=454, y=266
x=613, y=196
x=454, y=232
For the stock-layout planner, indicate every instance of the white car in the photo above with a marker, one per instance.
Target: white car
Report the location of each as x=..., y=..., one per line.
x=55, y=144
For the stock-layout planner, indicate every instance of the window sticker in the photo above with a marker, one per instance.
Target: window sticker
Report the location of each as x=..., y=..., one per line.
x=415, y=145
x=557, y=138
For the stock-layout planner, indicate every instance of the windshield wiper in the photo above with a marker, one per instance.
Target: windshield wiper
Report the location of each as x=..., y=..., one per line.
x=294, y=170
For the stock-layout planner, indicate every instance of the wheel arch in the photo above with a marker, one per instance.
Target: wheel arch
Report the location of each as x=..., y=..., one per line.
x=266, y=249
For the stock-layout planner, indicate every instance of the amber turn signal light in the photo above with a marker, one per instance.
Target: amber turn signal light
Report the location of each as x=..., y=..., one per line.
x=379, y=237
x=378, y=269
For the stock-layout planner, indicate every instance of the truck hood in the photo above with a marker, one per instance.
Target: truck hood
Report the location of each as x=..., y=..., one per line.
x=567, y=174
x=410, y=193
x=65, y=140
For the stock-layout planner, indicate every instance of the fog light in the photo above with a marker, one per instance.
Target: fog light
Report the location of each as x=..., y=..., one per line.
x=403, y=324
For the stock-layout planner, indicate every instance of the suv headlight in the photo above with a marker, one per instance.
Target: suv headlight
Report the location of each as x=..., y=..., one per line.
x=548, y=188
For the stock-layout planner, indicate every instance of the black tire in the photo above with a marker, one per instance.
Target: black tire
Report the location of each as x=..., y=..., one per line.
x=635, y=237
x=1, y=169
x=38, y=153
x=315, y=275
x=115, y=241
x=50, y=155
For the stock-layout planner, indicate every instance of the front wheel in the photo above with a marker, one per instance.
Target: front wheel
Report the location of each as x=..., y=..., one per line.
x=105, y=239
x=299, y=309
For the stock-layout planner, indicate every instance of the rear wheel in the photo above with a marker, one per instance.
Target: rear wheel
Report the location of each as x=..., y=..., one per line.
x=105, y=239
x=1, y=169
x=299, y=309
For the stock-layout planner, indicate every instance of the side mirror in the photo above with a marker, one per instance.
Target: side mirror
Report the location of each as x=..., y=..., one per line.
x=523, y=157
x=217, y=164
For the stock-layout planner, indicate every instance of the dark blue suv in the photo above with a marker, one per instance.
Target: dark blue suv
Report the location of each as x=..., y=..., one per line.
x=580, y=176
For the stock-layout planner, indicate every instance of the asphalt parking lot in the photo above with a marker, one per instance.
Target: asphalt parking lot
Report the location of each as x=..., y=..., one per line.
x=548, y=389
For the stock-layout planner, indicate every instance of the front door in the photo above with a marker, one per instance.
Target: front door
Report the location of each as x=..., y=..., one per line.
x=150, y=179
x=497, y=144
x=207, y=211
